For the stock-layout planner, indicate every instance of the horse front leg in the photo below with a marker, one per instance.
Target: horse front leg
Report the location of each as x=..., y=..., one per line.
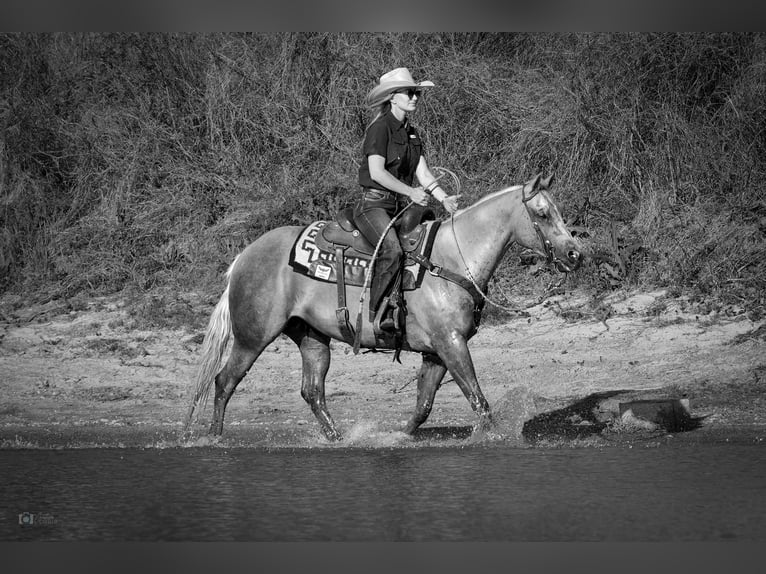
x=453, y=350
x=431, y=374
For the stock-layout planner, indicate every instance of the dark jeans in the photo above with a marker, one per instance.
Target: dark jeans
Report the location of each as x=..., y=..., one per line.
x=372, y=214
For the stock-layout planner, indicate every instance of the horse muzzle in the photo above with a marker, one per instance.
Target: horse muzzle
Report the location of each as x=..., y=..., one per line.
x=572, y=263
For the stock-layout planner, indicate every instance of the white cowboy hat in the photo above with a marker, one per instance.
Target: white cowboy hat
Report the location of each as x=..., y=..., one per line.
x=391, y=82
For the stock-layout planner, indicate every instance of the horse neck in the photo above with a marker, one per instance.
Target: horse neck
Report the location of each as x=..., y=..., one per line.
x=483, y=233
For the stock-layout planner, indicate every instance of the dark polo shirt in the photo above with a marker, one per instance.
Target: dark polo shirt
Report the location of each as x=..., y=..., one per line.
x=398, y=142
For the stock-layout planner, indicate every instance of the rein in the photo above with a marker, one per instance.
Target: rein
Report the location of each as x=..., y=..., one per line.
x=549, y=255
x=470, y=284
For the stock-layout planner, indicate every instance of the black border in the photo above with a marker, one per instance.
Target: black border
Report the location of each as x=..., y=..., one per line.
x=392, y=15
x=384, y=558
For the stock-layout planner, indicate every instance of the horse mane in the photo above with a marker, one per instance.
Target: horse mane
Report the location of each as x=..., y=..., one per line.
x=489, y=197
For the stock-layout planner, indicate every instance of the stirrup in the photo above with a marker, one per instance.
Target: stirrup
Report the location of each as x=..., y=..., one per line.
x=387, y=319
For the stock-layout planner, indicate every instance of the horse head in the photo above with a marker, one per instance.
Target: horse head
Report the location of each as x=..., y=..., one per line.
x=547, y=234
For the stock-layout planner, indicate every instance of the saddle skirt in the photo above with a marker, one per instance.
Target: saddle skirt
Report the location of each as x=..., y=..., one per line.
x=315, y=252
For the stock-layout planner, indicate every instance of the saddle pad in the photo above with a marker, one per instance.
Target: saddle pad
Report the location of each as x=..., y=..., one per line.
x=308, y=259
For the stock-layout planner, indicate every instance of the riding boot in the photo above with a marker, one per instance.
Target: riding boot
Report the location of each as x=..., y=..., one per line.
x=387, y=321
x=379, y=301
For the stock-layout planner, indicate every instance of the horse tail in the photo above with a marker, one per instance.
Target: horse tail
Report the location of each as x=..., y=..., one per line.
x=213, y=347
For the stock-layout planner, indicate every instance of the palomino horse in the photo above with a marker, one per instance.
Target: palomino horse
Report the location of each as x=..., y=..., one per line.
x=265, y=297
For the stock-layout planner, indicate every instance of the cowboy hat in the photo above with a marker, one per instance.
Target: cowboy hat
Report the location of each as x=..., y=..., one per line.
x=391, y=82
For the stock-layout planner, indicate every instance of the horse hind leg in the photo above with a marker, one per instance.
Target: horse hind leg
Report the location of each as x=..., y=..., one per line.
x=315, y=354
x=235, y=369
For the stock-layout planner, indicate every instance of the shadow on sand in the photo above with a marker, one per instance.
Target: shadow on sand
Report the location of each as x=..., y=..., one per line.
x=592, y=415
x=624, y=412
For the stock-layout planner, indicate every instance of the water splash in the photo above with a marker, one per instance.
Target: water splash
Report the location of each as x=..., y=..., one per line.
x=367, y=434
x=509, y=414
x=191, y=442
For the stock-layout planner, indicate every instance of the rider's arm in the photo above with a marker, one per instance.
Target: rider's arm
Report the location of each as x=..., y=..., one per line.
x=379, y=173
x=429, y=182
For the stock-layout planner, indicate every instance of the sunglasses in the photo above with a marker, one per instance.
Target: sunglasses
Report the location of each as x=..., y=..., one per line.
x=411, y=92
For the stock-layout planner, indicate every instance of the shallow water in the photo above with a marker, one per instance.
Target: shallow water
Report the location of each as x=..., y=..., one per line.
x=478, y=492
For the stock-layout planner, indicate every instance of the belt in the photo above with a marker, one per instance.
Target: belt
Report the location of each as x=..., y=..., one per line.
x=379, y=197
x=376, y=190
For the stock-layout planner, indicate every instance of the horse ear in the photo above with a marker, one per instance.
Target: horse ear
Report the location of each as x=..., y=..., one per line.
x=546, y=183
x=532, y=184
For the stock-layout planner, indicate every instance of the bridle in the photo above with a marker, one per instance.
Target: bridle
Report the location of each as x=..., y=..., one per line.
x=550, y=255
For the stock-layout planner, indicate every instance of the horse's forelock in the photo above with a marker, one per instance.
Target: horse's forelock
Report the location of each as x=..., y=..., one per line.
x=541, y=201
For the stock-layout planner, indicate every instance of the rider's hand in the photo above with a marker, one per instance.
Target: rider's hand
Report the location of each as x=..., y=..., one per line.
x=450, y=203
x=419, y=196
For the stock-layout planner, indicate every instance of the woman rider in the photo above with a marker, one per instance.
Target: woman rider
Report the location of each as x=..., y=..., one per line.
x=393, y=159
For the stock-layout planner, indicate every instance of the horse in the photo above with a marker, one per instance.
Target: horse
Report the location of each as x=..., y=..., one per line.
x=264, y=298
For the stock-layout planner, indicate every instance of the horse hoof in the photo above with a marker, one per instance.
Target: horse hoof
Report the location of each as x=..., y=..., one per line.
x=332, y=435
x=484, y=426
x=214, y=434
x=404, y=436
x=200, y=440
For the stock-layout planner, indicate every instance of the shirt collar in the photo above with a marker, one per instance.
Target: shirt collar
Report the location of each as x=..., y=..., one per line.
x=394, y=123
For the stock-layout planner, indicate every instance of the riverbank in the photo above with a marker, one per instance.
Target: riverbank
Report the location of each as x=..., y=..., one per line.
x=99, y=373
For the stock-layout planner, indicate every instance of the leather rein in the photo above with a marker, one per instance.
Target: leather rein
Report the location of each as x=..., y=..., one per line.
x=547, y=249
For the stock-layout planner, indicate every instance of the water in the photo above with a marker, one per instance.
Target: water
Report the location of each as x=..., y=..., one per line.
x=479, y=493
